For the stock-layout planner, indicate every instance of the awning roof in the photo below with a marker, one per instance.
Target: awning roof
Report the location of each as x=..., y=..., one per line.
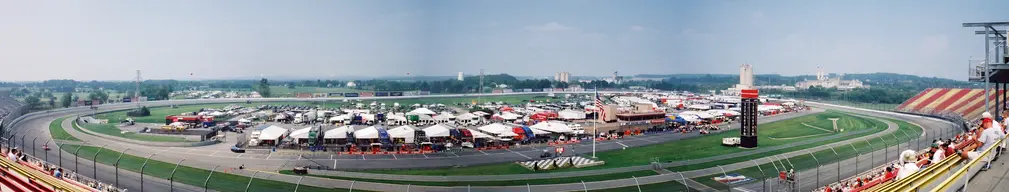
x=498, y=129
x=480, y=135
x=422, y=111
x=367, y=133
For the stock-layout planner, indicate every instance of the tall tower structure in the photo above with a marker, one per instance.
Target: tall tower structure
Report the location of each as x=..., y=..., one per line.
x=460, y=77
x=136, y=93
x=746, y=76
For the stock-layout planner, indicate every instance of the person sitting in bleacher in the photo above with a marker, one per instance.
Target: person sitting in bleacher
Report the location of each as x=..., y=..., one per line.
x=908, y=164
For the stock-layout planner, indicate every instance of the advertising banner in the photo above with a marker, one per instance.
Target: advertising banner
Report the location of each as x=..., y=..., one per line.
x=537, y=90
x=335, y=94
x=367, y=94
x=350, y=95
x=127, y=100
x=425, y=93
x=411, y=93
x=507, y=90
x=396, y=94
x=381, y=94
x=497, y=91
x=527, y=90
x=303, y=95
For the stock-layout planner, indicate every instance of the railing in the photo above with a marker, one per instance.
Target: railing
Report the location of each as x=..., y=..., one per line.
x=68, y=181
x=962, y=172
x=48, y=183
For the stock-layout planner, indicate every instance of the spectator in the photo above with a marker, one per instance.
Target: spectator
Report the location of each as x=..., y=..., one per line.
x=938, y=155
x=58, y=173
x=988, y=138
x=908, y=164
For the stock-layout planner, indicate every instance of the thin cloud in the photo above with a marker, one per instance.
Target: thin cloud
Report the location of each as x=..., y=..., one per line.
x=552, y=26
x=637, y=28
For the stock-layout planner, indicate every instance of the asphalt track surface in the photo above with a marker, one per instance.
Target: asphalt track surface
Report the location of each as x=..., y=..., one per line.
x=131, y=180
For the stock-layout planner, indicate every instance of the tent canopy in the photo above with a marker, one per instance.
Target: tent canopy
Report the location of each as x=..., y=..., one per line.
x=700, y=107
x=553, y=127
x=466, y=116
x=498, y=129
x=422, y=111
x=571, y=114
x=272, y=132
x=480, y=135
x=405, y=132
x=367, y=133
x=338, y=133
x=301, y=133
x=438, y=130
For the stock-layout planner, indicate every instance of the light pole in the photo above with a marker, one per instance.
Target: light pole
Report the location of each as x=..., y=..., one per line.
x=94, y=161
x=817, y=166
x=872, y=152
x=60, y=146
x=47, y=144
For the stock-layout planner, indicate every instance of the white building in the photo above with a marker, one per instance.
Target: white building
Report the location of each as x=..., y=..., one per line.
x=351, y=84
x=823, y=80
x=562, y=77
x=745, y=80
x=459, y=77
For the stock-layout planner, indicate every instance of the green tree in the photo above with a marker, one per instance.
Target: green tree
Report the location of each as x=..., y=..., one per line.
x=290, y=85
x=52, y=102
x=66, y=99
x=32, y=101
x=264, y=87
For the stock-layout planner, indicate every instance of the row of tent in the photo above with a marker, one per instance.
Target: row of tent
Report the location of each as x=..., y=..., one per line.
x=412, y=134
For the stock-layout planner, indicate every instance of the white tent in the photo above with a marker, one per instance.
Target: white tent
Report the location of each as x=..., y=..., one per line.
x=422, y=111
x=406, y=132
x=243, y=120
x=216, y=114
x=272, y=133
x=438, y=130
x=343, y=117
x=700, y=115
x=510, y=116
x=466, y=116
x=480, y=113
x=498, y=129
x=571, y=114
x=338, y=133
x=699, y=107
x=538, y=132
x=367, y=133
x=553, y=127
x=301, y=133
x=479, y=135
x=446, y=115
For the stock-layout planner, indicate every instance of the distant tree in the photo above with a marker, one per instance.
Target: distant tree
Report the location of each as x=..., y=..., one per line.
x=66, y=99
x=264, y=87
x=98, y=95
x=32, y=101
x=290, y=85
x=52, y=102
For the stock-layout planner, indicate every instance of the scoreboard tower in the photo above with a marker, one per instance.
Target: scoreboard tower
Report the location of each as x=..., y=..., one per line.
x=748, y=119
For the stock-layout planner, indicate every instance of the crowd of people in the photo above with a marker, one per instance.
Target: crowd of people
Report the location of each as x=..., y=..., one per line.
x=8, y=105
x=984, y=134
x=19, y=157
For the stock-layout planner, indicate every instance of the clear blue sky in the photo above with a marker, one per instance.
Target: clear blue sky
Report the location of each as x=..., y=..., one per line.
x=108, y=40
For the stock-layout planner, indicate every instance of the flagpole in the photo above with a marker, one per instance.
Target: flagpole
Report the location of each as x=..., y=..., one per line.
x=595, y=130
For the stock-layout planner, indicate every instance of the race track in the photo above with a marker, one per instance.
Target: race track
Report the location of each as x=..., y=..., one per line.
x=210, y=156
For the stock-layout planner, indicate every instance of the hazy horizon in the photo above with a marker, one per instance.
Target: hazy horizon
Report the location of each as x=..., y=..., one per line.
x=209, y=40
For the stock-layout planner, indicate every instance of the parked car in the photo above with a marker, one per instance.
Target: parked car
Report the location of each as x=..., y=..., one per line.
x=237, y=149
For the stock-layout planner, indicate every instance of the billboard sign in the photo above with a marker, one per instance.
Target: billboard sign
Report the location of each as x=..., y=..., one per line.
x=350, y=95
x=396, y=94
x=367, y=94
x=335, y=94
x=381, y=94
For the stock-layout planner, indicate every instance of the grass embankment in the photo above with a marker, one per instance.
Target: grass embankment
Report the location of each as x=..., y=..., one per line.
x=499, y=183
x=112, y=130
x=188, y=175
x=56, y=130
x=824, y=156
x=686, y=149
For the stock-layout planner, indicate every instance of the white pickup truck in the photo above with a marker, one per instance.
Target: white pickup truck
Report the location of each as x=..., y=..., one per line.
x=730, y=141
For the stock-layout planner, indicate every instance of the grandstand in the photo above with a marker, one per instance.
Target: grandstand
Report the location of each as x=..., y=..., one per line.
x=968, y=103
